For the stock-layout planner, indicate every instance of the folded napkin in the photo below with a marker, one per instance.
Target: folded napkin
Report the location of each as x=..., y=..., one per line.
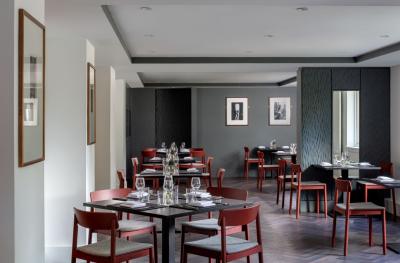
x=185, y=150
x=365, y=164
x=192, y=170
x=202, y=203
x=149, y=171
x=385, y=179
x=326, y=164
x=162, y=150
x=137, y=194
x=261, y=147
x=203, y=194
x=155, y=159
x=188, y=158
x=133, y=204
x=280, y=151
x=285, y=147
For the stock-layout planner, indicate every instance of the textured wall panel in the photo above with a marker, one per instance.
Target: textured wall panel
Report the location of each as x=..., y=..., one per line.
x=375, y=115
x=316, y=130
x=345, y=79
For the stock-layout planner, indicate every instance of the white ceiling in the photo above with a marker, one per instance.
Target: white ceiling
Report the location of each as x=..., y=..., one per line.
x=227, y=28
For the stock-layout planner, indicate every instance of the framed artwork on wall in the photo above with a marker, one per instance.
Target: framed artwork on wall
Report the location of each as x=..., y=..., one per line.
x=236, y=111
x=91, y=104
x=31, y=90
x=279, y=111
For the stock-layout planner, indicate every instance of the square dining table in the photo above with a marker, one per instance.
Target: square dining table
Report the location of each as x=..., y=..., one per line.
x=168, y=216
x=345, y=168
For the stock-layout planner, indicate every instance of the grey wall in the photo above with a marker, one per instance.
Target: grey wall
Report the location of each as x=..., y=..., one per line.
x=225, y=143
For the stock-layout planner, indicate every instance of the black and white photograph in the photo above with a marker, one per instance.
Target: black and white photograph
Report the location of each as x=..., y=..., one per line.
x=236, y=111
x=279, y=111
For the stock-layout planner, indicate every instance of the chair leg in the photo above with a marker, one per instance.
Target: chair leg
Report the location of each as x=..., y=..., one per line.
x=370, y=230
x=247, y=236
x=298, y=203
x=151, y=256
x=185, y=256
x=394, y=204
x=182, y=243
x=325, y=202
x=283, y=193
x=278, y=185
x=346, y=235
x=155, y=244
x=261, y=257
x=333, y=241
x=365, y=194
x=290, y=200
x=318, y=202
x=384, y=231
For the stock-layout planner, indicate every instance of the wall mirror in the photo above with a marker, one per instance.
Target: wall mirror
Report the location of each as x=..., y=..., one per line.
x=345, y=125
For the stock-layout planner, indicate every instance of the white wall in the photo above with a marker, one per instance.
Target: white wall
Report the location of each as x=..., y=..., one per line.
x=70, y=163
x=395, y=123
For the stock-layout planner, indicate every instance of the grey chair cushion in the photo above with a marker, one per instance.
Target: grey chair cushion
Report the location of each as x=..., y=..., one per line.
x=233, y=244
x=270, y=166
x=132, y=225
x=310, y=183
x=361, y=206
x=288, y=176
x=122, y=246
x=365, y=183
x=205, y=224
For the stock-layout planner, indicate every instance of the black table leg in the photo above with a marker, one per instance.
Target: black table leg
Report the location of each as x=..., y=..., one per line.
x=168, y=240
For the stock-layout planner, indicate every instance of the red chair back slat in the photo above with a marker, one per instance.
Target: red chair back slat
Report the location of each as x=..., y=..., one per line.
x=260, y=156
x=121, y=178
x=238, y=217
x=282, y=166
x=96, y=220
x=135, y=170
x=209, y=164
x=198, y=153
x=230, y=193
x=386, y=168
x=220, y=177
x=343, y=186
x=246, y=153
x=108, y=194
x=295, y=169
x=148, y=153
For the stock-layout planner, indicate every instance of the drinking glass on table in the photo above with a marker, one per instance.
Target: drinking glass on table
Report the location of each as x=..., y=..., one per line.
x=196, y=185
x=163, y=145
x=183, y=145
x=140, y=184
x=146, y=195
x=336, y=159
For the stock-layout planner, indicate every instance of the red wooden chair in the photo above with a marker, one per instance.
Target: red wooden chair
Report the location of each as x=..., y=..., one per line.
x=299, y=186
x=209, y=169
x=283, y=178
x=210, y=226
x=220, y=177
x=200, y=155
x=135, y=169
x=248, y=161
x=226, y=248
x=349, y=209
x=126, y=227
x=113, y=250
x=147, y=154
x=386, y=169
x=263, y=169
x=121, y=178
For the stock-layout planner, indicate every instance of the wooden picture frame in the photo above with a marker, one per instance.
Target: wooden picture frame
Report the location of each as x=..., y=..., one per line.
x=31, y=89
x=236, y=111
x=279, y=111
x=91, y=104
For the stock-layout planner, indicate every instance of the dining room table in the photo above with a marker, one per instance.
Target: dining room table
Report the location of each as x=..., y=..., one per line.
x=345, y=168
x=168, y=215
x=183, y=174
x=286, y=153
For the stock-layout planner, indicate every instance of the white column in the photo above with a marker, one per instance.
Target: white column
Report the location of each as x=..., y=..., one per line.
x=395, y=125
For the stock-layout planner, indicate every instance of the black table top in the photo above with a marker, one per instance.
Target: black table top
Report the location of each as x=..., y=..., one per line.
x=387, y=184
x=181, y=161
x=269, y=149
x=152, y=209
x=284, y=153
x=182, y=174
x=348, y=167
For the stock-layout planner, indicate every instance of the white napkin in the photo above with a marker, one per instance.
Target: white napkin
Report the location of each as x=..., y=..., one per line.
x=133, y=204
x=202, y=203
x=280, y=152
x=188, y=158
x=326, y=164
x=365, y=164
x=261, y=147
x=149, y=171
x=185, y=150
x=285, y=147
x=192, y=170
x=155, y=159
x=385, y=179
x=162, y=150
x=203, y=194
x=137, y=194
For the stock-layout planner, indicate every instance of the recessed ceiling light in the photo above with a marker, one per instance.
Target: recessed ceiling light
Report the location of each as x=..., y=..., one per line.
x=384, y=36
x=148, y=35
x=302, y=9
x=145, y=8
x=269, y=35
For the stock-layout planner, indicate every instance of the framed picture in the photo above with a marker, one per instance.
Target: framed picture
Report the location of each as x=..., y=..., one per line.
x=91, y=104
x=31, y=90
x=236, y=111
x=279, y=111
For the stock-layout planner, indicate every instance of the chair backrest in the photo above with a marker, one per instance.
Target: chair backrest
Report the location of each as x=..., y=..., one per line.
x=121, y=178
x=386, y=168
x=295, y=169
x=238, y=216
x=246, y=153
x=135, y=170
x=209, y=164
x=282, y=166
x=198, y=153
x=108, y=194
x=96, y=220
x=227, y=192
x=260, y=156
x=343, y=186
x=220, y=177
x=148, y=153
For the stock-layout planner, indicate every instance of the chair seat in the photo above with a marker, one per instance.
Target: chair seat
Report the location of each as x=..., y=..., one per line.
x=288, y=177
x=368, y=184
x=133, y=225
x=252, y=160
x=270, y=166
x=361, y=206
x=233, y=244
x=122, y=246
x=309, y=183
x=205, y=224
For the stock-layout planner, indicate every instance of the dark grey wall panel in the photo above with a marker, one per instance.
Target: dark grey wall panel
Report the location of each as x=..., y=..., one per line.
x=316, y=107
x=375, y=115
x=345, y=79
x=225, y=143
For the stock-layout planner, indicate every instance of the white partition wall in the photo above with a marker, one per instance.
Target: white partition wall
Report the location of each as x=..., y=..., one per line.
x=395, y=125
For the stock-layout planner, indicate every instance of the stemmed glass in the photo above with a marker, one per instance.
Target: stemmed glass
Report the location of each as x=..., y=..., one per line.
x=196, y=185
x=183, y=145
x=163, y=145
x=140, y=184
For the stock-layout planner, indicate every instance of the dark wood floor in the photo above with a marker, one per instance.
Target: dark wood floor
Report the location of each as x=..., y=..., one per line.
x=307, y=239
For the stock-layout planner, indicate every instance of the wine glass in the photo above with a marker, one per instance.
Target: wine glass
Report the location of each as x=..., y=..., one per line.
x=140, y=184
x=196, y=185
x=183, y=145
x=336, y=159
x=163, y=145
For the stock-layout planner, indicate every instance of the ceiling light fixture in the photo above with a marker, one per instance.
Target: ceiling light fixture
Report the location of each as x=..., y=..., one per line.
x=145, y=8
x=384, y=36
x=302, y=9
